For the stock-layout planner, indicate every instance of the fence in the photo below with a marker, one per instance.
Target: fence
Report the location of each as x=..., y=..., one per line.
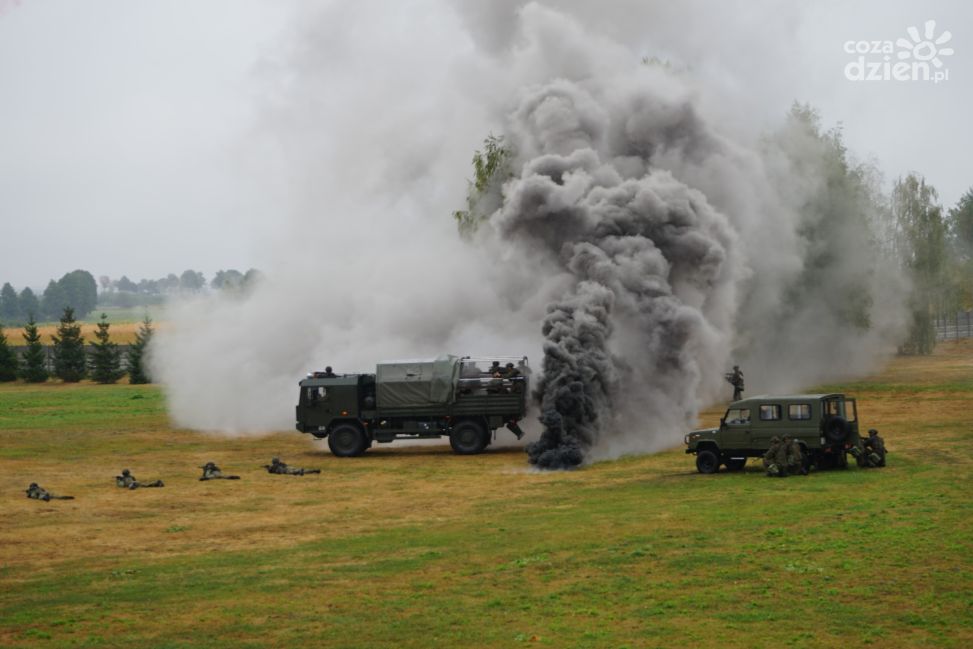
x=49, y=354
x=953, y=328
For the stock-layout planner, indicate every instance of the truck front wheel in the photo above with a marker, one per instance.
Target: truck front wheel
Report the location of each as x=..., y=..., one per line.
x=707, y=461
x=468, y=438
x=347, y=440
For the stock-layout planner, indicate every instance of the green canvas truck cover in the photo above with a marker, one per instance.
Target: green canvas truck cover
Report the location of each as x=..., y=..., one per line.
x=416, y=382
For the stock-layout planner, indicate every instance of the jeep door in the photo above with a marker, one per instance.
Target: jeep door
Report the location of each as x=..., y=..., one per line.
x=769, y=423
x=735, y=431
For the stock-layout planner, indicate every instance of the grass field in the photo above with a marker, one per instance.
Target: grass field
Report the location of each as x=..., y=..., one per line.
x=416, y=547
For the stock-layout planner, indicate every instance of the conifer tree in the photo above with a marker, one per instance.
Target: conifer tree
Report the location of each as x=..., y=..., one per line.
x=33, y=367
x=105, y=360
x=136, y=353
x=8, y=360
x=69, y=362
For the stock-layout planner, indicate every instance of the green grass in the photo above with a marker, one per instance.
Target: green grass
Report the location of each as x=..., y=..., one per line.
x=426, y=549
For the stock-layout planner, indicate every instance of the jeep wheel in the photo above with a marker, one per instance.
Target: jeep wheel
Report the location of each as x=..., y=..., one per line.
x=468, y=438
x=736, y=464
x=707, y=461
x=836, y=429
x=347, y=440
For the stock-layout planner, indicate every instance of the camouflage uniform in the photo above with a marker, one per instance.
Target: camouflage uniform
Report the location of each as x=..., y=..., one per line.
x=775, y=464
x=874, y=448
x=128, y=481
x=37, y=492
x=735, y=378
x=278, y=467
x=212, y=472
x=795, y=457
x=495, y=386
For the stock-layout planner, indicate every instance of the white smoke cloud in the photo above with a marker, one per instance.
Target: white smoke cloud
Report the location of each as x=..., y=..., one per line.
x=625, y=189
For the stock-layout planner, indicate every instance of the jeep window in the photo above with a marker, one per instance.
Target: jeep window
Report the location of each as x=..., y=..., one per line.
x=798, y=411
x=770, y=412
x=737, y=416
x=834, y=408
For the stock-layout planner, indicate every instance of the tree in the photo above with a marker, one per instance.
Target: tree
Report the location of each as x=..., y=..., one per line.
x=136, y=353
x=491, y=168
x=961, y=224
x=8, y=360
x=125, y=284
x=80, y=291
x=961, y=246
x=9, y=304
x=170, y=283
x=105, y=359
x=53, y=301
x=69, y=359
x=227, y=280
x=252, y=278
x=922, y=230
x=29, y=304
x=33, y=366
x=191, y=281
x=839, y=222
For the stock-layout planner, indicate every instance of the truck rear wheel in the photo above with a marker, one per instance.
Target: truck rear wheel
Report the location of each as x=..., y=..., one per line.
x=347, y=440
x=707, y=461
x=468, y=438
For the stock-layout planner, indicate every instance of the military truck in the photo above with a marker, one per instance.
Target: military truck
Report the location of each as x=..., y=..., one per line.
x=466, y=399
x=825, y=425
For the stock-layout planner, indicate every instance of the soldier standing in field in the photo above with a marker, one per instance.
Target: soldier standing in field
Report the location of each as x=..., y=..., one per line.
x=772, y=460
x=212, y=472
x=279, y=468
x=127, y=481
x=735, y=378
x=37, y=492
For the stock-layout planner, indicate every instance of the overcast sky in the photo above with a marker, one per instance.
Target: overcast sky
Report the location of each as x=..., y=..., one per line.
x=126, y=126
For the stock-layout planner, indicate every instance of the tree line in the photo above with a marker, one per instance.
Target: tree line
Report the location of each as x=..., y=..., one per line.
x=79, y=291
x=72, y=363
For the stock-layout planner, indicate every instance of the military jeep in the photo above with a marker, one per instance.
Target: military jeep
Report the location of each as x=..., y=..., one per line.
x=825, y=426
